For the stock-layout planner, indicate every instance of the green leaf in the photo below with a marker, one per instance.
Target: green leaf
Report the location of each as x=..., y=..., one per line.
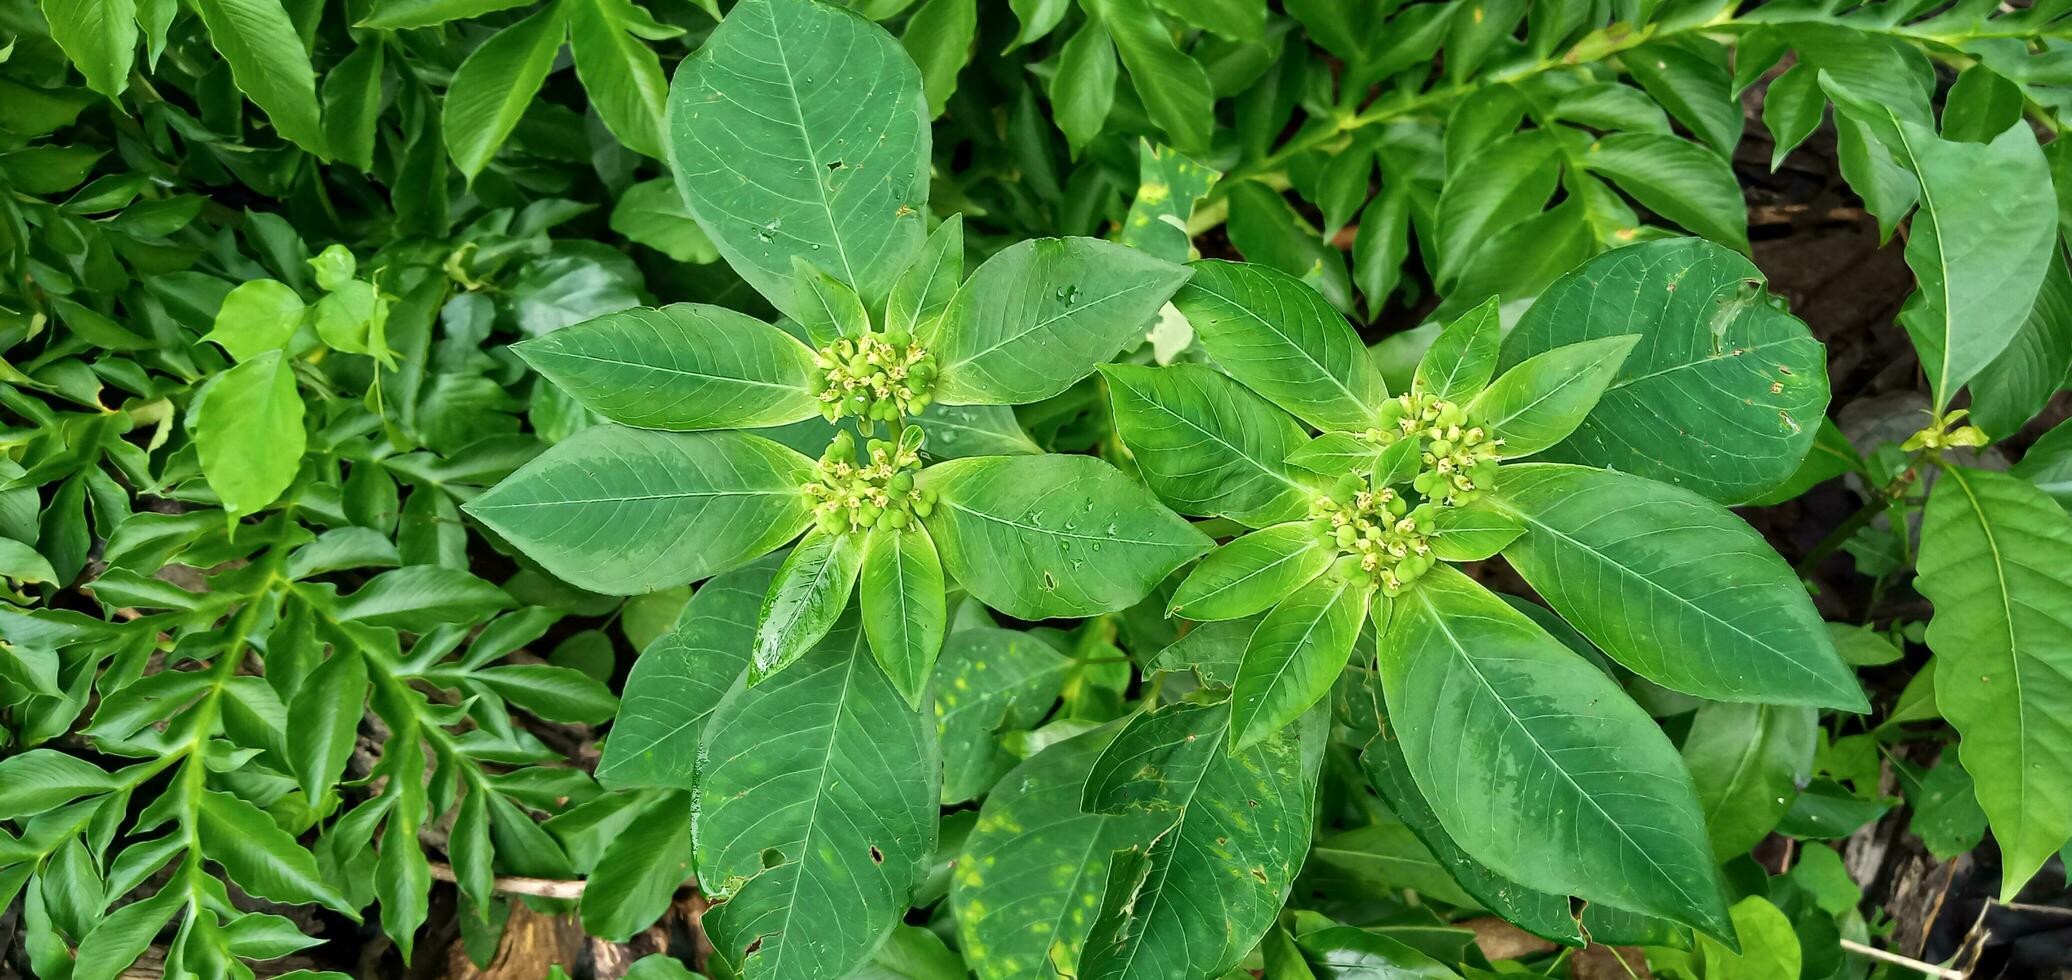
x=816, y=813
x=1168, y=185
x=1381, y=759
x=248, y=431
x=1694, y=85
x=419, y=597
x=1722, y=391
x=1463, y=357
x=1266, y=231
x=119, y=939
x=1284, y=341
x=1747, y=761
x=623, y=511
x=45, y=779
x=681, y=367
x=1992, y=562
x=1505, y=183
x=1174, y=88
x=924, y=289
x=1343, y=951
x=679, y=680
x=258, y=855
x=1673, y=586
x=1207, y=446
x=392, y=15
x=327, y=709
x=1035, y=866
x=824, y=305
x=633, y=882
x=1792, y=108
x=1980, y=255
x=1038, y=537
x=810, y=592
x=619, y=70
x=1295, y=656
x=494, y=86
x=1675, y=178
x=100, y=36
x=561, y=694
x=1538, y=401
x=904, y=609
x=1083, y=90
x=269, y=63
x=1253, y=573
x=1769, y=945
x=799, y=129
x=2035, y=363
x=938, y=37
x=653, y=214
x=1611, y=816
x=990, y=682
x=1041, y=314
x=256, y=318
x=1472, y=531
x=1981, y=105
x=1193, y=900
x=957, y=431
x=22, y=563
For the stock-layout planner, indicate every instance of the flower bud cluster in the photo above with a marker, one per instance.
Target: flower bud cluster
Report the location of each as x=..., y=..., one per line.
x=1458, y=458
x=852, y=493
x=877, y=377
x=1380, y=537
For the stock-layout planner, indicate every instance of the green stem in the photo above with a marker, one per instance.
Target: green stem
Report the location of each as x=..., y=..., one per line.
x=1881, y=500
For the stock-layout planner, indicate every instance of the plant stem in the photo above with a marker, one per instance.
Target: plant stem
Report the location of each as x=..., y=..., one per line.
x=1880, y=501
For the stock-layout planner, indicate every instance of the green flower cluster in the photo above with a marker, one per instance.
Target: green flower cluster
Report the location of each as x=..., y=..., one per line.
x=1458, y=458
x=877, y=490
x=876, y=377
x=1380, y=537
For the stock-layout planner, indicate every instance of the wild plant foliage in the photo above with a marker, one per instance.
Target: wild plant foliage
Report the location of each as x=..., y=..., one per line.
x=946, y=483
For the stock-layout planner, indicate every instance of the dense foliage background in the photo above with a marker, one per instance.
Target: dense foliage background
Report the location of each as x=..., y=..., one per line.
x=271, y=700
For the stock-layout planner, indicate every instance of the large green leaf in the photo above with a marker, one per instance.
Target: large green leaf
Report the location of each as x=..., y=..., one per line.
x=1295, y=656
x=1993, y=560
x=1283, y=340
x=1174, y=88
x=816, y=813
x=1191, y=901
x=1979, y=248
x=990, y=681
x=100, y=36
x=1724, y=391
x=1675, y=178
x=1573, y=789
x=684, y=366
x=1041, y=314
x=620, y=71
x=1672, y=585
x=2035, y=363
x=799, y=129
x=1252, y=573
x=493, y=87
x=904, y=607
x=678, y=681
x=269, y=63
x=1748, y=761
x=625, y=511
x=1043, y=536
x=249, y=432
x=1033, y=870
x=1381, y=759
x=1206, y=445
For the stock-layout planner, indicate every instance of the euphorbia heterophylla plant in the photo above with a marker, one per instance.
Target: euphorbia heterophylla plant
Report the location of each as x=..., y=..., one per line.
x=798, y=143
x=1511, y=745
